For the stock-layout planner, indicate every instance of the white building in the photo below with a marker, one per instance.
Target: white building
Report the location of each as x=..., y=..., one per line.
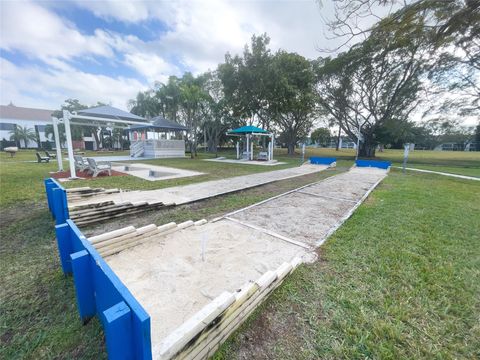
x=11, y=115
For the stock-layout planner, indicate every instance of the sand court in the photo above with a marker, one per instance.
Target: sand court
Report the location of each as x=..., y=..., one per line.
x=192, y=275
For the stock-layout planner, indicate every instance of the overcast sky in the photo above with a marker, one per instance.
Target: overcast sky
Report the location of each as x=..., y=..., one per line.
x=109, y=50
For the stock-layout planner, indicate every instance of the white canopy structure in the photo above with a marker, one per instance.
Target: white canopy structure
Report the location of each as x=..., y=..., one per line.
x=101, y=115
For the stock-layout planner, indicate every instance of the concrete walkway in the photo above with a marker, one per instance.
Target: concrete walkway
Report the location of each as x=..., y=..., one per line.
x=441, y=173
x=199, y=191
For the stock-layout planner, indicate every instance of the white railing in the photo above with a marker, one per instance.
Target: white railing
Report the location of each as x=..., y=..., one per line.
x=137, y=149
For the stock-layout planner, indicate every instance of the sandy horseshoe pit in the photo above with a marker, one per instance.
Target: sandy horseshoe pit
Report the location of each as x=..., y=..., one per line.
x=199, y=281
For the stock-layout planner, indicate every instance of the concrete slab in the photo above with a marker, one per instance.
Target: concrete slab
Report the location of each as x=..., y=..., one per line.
x=247, y=162
x=143, y=171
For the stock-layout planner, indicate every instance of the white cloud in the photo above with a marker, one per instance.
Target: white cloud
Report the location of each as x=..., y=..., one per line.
x=196, y=36
x=36, y=87
x=39, y=33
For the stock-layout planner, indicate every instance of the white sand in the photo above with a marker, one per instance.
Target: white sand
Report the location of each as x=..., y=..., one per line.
x=170, y=280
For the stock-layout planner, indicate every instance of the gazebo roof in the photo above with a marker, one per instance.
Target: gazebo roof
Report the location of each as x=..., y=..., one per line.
x=160, y=123
x=248, y=130
x=109, y=112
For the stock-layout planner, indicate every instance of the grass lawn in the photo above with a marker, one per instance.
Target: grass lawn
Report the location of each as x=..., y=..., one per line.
x=400, y=279
x=410, y=290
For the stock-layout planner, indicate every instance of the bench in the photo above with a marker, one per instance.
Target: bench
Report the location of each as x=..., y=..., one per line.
x=80, y=163
x=99, y=167
x=41, y=158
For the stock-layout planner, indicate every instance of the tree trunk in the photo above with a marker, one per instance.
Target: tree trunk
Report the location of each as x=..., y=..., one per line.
x=37, y=135
x=338, y=137
x=367, y=149
x=291, y=148
x=97, y=140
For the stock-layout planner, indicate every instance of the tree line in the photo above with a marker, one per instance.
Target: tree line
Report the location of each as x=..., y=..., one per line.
x=423, y=57
x=408, y=60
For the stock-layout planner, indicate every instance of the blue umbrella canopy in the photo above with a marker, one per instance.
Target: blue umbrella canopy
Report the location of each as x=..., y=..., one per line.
x=248, y=130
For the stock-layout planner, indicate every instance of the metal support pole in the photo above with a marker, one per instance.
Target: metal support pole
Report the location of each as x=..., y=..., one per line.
x=238, y=150
x=248, y=146
x=56, y=134
x=68, y=134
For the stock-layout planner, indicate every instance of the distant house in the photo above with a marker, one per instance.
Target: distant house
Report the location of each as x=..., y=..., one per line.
x=458, y=146
x=36, y=120
x=31, y=118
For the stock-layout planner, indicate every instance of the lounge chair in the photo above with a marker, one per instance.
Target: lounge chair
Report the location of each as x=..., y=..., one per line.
x=80, y=163
x=99, y=167
x=41, y=158
x=51, y=156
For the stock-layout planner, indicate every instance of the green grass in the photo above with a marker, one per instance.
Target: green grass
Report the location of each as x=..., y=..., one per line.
x=400, y=280
x=408, y=291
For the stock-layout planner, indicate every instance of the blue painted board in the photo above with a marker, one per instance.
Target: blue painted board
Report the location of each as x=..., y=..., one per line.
x=322, y=160
x=373, y=163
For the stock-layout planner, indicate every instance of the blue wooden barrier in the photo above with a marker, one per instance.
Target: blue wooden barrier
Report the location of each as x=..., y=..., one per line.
x=373, y=163
x=57, y=200
x=322, y=160
x=100, y=292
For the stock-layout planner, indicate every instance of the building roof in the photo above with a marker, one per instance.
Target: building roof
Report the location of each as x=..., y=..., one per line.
x=248, y=130
x=160, y=123
x=109, y=112
x=23, y=113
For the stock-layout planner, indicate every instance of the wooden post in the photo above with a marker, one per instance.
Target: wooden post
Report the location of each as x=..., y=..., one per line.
x=82, y=277
x=117, y=321
x=64, y=247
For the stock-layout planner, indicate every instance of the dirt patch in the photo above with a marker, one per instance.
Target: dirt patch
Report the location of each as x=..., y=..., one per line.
x=12, y=214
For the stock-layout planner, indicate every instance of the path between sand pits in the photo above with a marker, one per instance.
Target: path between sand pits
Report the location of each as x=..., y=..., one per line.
x=198, y=191
x=173, y=276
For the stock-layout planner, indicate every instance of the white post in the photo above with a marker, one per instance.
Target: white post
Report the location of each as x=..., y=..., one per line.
x=273, y=144
x=68, y=134
x=238, y=150
x=248, y=145
x=56, y=134
x=251, y=150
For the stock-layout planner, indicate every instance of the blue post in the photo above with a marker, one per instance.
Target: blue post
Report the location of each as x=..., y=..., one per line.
x=48, y=191
x=118, y=331
x=60, y=205
x=83, y=279
x=64, y=247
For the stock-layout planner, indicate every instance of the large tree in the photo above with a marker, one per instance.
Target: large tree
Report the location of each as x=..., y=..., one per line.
x=246, y=81
x=376, y=85
x=291, y=96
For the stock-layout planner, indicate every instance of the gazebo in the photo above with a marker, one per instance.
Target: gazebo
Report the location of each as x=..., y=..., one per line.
x=249, y=132
x=160, y=138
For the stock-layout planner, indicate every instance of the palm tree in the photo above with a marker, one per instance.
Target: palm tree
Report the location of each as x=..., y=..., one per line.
x=49, y=133
x=22, y=133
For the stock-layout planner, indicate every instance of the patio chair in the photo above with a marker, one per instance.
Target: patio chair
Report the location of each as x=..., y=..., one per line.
x=51, y=156
x=99, y=167
x=262, y=155
x=41, y=158
x=80, y=163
